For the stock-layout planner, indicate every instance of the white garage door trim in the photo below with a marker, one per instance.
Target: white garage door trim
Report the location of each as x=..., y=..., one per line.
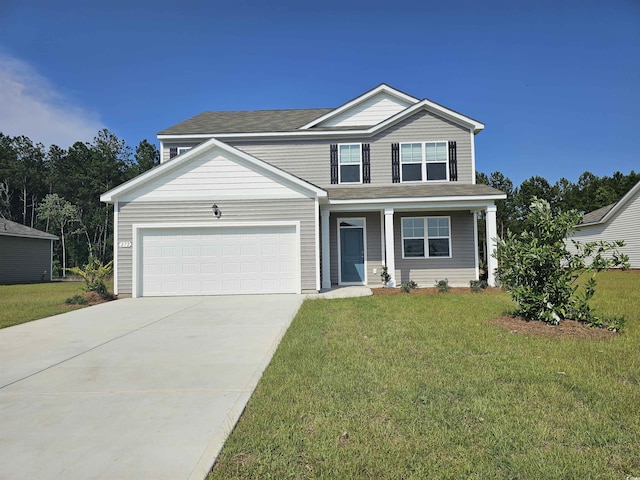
x=138, y=232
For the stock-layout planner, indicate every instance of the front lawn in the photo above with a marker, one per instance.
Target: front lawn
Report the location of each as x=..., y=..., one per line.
x=23, y=303
x=426, y=386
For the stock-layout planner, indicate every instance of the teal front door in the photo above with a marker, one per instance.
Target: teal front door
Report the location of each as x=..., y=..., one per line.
x=352, y=251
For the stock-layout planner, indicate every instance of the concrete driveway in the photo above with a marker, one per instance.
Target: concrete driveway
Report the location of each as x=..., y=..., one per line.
x=143, y=388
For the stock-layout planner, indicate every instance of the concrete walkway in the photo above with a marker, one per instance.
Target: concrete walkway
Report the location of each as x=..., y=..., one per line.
x=143, y=388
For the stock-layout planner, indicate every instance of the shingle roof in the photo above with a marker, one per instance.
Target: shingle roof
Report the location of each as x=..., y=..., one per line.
x=246, y=121
x=364, y=192
x=13, y=229
x=597, y=215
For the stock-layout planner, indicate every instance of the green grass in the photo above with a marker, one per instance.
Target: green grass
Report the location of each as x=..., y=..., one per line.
x=23, y=303
x=418, y=387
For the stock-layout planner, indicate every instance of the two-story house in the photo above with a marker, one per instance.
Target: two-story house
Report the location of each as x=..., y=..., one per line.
x=297, y=201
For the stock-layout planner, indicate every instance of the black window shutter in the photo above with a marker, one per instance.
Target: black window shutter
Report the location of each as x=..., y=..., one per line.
x=395, y=162
x=173, y=152
x=453, y=162
x=366, y=163
x=334, y=163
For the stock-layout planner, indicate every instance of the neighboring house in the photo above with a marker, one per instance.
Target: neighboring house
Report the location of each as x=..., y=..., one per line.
x=299, y=200
x=25, y=253
x=618, y=221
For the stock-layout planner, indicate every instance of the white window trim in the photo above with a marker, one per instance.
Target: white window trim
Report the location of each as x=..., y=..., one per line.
x=340, y=164
x=425, y=238
x=364, y=239
x=182, y=150
x=424, y=162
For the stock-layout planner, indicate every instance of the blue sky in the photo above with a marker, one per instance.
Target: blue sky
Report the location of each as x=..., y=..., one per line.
x=557, y=83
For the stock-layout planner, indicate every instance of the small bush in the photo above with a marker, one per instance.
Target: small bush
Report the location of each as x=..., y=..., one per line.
x=408, y=286
x=442, y=285
x=94, y=274
x=76, y=300
x=478, y=285
x=384, y=275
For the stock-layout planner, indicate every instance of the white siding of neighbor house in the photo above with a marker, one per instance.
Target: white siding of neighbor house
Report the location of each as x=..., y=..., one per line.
x=459, y=269
x=623, y=225
x=368, y=113
x=310, y=160
x=213, y=172
x=233, y=211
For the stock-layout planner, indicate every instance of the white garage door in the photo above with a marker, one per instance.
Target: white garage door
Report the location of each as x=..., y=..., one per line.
x=219, y=261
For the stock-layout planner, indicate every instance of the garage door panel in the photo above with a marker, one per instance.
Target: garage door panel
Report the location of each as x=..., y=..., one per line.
x=210, y=261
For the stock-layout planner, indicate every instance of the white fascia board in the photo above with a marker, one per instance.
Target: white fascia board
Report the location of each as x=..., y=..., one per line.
x=474, y=203
x=618, y=205
x=111, y=195
x=381, y=88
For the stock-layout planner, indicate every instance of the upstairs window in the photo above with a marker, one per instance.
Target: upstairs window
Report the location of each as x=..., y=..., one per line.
x=423, y=161
x=436, y=160
x=350, y=163
x=426, y=237
x=182, y=150
x=411, y=161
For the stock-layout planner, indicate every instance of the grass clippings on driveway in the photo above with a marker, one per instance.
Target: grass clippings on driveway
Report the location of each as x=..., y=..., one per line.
x=425, y=386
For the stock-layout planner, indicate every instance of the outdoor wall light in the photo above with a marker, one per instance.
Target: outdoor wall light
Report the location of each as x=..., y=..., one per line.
x=216, y=211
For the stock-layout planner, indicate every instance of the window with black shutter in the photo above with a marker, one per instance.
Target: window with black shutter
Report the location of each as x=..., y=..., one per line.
x=366, y=163
x=173, y=152
x=453, y=162
x=395, y=162
x=334, y=163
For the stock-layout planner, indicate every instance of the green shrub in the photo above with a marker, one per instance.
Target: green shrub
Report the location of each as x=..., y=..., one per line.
x=384, y=275
x=408, y=286
x=478, y=285
x=540, y=273
x=76, y=300
x=94, y=274
x=442, y=285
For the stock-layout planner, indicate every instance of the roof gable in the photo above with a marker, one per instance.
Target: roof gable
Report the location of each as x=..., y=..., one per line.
x=212, y=168
x=366, y=110
x=604, y=214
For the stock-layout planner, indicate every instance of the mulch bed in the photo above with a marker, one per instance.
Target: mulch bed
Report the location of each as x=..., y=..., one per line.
x=517, y=325
x=432, y=291
x=566, y=329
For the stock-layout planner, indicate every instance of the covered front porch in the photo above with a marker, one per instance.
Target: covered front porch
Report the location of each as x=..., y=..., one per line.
x=421, y=239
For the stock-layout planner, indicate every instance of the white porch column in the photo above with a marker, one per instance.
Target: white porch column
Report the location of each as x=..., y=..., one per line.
x=492, y=233
x=390, y=245
x=326, y=257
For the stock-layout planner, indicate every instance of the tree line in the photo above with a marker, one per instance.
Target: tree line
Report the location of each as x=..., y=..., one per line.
x=589, y=193
x=58, y=190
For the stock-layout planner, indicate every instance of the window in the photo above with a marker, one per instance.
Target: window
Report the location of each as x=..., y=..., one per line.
x=423, y=161
x=182, y=150
x=420, y=242
x=350, y=163
x=411, y=162
x=436, y=159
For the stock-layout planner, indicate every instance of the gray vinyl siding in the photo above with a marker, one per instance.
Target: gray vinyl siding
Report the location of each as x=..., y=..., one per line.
x=459, y=269
x=24, y=260
x=256, y=211
x=373, y=259
x=309, y=159
x=168, y=145
x=624, y=225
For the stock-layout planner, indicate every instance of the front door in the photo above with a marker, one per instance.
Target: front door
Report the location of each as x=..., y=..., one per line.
x=352, y=250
